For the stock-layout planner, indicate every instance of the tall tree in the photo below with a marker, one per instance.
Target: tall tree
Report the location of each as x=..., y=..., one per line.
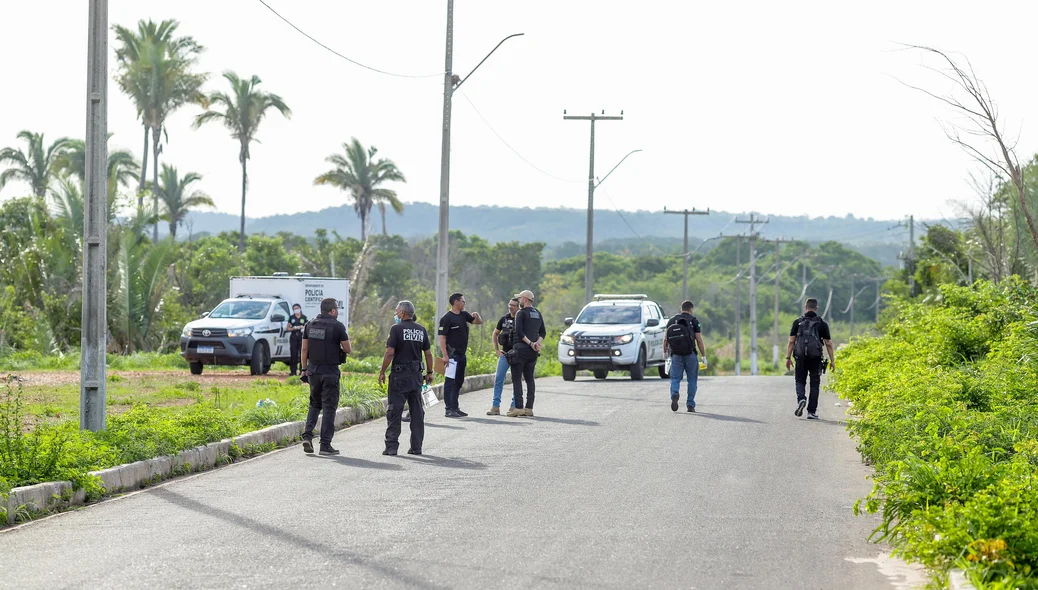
x=36, y=165
x=241, y=112
x=361, y=175
x=177, y=197
x=155, y=71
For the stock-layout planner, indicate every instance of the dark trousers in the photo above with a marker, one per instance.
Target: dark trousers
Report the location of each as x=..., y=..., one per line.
x=523, y=369
x=804, y=367
x=295, y=345
x=405, y=387
x=324, y=398
x=452, y=387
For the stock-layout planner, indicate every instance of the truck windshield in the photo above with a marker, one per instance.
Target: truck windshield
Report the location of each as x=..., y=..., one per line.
x=612, y=314
x=241, y=310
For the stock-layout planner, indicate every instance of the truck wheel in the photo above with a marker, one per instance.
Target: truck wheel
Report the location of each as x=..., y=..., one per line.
x=266, y=368
x=569, y=372
x=638, y=368
x=601, y=374
x=196, y=368
x=259, y=358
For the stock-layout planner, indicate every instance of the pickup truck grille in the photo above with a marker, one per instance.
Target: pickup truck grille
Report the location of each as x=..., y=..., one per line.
x=213, y=332
x=593, y=345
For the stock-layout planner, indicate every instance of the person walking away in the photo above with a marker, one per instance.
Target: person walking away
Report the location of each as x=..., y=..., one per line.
x=806, y=339
x=454, y=343
x=529, y=337
x=502, y=345
x=408, y=341
x=325, y=346
x=296, y=322
x=683, y=334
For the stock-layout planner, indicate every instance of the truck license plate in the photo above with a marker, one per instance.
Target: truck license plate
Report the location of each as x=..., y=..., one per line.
x=205, y=350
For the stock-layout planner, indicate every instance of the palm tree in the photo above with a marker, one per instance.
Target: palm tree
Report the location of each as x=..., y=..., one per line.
x=122, y=167
x=173, y=191
x=155, y=72
x=241, y=112
x=359, y=174
x=35, y=165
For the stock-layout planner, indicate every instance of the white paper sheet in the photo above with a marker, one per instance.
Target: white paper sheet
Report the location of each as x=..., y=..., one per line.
x=452, y=369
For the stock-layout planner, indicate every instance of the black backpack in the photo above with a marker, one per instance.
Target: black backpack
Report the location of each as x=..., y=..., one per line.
x=679, y=337
x=808, y=342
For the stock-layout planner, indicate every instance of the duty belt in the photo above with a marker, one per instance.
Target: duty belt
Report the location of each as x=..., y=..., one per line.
x=407, y=367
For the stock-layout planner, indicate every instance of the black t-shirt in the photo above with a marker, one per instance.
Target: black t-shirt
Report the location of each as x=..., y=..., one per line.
x=692, y=321
x=529, y=323
x=455, y=326
x=338, y=335
x=297, y=322
x=409, y=340
x=506, y=325
x=823, y=328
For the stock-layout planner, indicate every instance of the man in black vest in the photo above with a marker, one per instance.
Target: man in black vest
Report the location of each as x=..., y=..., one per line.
x=806, y=338
x=296, y=322
x=325, y=346
x=683, y=355
x=408, y=342
x=502, y=336
x=527, y=342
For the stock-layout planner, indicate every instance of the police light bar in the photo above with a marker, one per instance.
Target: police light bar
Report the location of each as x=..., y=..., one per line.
x=632, y=297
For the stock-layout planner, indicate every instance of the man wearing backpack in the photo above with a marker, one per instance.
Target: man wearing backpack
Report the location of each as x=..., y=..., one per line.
x=807, y=338
x=682, y=335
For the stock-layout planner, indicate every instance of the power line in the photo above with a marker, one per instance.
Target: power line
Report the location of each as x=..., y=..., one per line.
x=615, y=208
x=352, y=61
x=508, y=145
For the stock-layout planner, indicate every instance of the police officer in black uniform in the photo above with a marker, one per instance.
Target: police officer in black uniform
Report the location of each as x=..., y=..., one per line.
x=527, y=342
x=325, y=346
x=408, y=340
x=295, y=340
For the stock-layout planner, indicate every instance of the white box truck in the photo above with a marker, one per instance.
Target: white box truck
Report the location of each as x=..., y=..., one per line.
x=249, y=327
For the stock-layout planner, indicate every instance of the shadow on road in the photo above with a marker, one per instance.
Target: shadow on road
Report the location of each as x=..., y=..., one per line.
x=563, y=421
x=338, y=554
x=723, y=418
x=447, y=426
x=503, y=420
x=362, y=463
x=445, y=462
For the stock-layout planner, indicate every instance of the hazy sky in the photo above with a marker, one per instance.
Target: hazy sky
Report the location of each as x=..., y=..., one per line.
x=778, y=107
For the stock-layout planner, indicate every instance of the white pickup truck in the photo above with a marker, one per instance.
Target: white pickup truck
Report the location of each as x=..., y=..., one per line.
x=615, y=333
x=249, y=327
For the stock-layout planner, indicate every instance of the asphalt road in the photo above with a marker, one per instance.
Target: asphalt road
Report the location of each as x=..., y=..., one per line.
x=605, y=488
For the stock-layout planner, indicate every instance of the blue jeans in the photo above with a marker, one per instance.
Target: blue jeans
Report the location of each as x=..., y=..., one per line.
x=499, y=380
x=689, y=365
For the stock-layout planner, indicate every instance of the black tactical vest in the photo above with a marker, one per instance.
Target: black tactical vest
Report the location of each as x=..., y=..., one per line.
x=323, y=349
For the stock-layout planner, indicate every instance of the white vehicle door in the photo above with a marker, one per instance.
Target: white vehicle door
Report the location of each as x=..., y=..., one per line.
x=281, y=348
x=653, y=334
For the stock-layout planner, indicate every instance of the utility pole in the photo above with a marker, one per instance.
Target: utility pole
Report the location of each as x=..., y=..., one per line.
x=451, y=82
x=93, y=339
x=754, y=220
x=738, y=307
x=684, y=250
x=778, y=275
x=911, y=255
x=588, y=270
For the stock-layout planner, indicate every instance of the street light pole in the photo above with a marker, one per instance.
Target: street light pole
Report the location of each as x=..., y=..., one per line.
x=450, y=84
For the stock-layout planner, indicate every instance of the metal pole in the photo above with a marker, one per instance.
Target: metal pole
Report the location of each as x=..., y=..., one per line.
x=588, y=265
x=738, y=307
x=911, y=255
x=753, y=304
x=445, y=170
x=853, y=293
x=775, y=339
x=684, y=273
x=92, y=403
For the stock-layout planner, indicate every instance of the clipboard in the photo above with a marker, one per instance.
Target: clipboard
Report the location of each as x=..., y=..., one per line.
x=439, y=365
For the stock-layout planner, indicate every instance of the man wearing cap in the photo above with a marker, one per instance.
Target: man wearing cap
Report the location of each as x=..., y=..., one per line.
x=528, y=339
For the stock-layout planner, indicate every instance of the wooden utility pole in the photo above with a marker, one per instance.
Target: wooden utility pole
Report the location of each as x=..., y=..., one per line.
x=684, y=250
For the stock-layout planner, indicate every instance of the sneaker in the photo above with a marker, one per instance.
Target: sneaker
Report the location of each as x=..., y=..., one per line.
x=514, y=412
x=527, y=413
x=414, y=452
x=691, y=409
x=389, y=452
x=673, y=403
x=460, y=413
x=452, y=414
x=308, y=447
x=800, y=408
x=494, y=411
x=812, y=416
x=328, y=450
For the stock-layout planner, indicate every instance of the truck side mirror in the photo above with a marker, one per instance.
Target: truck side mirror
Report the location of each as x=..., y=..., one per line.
x=652, y=323
x=205, y=314
x=568, y=322
x=277, y=318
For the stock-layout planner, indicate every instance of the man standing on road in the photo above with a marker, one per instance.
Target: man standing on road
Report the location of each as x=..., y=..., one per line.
x=806, y=338
x=683, y=334
x=503, y=334
x=295, y=340
x=454, y=343
x=529, y=337
x=325, y=344
x=408, y=341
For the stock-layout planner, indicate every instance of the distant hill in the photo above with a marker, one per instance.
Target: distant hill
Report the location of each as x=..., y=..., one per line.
x=563, y=230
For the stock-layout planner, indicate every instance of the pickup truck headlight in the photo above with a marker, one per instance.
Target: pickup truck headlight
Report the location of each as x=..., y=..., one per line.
x=186, y=331
x=623, y=339
x=239, y=332
x=566, y=339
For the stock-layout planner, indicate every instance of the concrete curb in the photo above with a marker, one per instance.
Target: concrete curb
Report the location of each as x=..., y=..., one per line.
x=26, y=502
